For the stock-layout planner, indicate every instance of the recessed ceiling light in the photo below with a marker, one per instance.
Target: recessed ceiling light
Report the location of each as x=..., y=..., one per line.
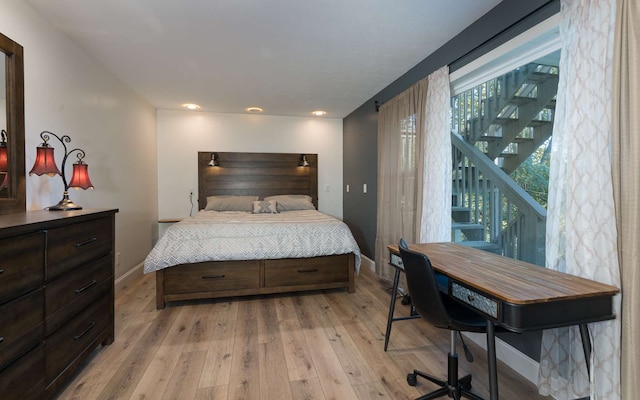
x=254, y=109
x=319, y=113
x=191, y=106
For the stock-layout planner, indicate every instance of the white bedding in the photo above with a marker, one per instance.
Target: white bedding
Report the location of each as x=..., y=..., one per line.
x=217, y=236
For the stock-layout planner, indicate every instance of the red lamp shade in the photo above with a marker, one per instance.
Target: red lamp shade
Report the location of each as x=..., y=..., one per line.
x=80, y=177
x=45, y=162
x=3, y=158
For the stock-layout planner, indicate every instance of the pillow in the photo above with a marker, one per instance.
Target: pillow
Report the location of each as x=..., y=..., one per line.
x=292, y=202
x=230, y=203
x=265, y=206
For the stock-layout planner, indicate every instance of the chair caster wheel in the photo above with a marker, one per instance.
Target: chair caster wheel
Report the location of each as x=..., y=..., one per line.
x=412, y=379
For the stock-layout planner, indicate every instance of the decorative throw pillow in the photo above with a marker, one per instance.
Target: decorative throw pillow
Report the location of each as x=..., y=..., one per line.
x=292, y=202
x=265, y=206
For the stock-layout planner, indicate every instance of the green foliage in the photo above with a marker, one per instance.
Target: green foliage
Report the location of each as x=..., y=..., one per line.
x=533, y=174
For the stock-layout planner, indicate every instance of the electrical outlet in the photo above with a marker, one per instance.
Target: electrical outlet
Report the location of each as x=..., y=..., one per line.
x=117, y=259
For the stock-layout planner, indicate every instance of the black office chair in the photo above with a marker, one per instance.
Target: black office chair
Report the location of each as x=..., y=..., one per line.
x=442, y=312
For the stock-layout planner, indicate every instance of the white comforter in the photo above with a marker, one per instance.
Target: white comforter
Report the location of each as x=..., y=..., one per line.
x=217, y=236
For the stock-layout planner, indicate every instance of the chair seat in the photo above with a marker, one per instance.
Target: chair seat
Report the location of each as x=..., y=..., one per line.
x=463, y=318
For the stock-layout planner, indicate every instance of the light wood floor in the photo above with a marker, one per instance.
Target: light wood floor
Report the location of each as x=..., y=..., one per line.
x=323, y=345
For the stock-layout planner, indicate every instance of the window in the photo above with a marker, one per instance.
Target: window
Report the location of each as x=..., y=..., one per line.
x=502, y=112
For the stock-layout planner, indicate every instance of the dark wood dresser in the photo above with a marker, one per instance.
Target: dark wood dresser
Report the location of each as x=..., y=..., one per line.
x=56, y=296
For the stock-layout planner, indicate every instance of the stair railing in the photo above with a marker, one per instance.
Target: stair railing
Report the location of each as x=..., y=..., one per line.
x=511, y=218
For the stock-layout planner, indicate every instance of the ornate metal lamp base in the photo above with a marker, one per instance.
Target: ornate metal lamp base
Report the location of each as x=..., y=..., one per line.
x=65, y=204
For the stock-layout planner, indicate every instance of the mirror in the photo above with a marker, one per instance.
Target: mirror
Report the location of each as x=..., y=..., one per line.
x=4, y=177
x=12, y=173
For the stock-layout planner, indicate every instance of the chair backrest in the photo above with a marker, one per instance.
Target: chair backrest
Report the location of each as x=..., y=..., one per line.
x=423, y=288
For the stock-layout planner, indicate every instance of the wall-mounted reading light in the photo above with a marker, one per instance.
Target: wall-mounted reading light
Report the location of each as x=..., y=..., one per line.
x=303, y=161
x=45, y=164
x=214, y=160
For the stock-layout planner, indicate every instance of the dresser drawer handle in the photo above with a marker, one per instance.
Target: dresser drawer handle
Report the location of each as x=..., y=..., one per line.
x=302, y=271
x=1, y=271
x=82, y=289
x=81, y=334
x=1, y=339
x=213, y=277
x=86, y=242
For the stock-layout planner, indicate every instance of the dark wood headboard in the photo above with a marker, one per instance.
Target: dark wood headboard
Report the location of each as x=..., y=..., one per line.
x=256, y=174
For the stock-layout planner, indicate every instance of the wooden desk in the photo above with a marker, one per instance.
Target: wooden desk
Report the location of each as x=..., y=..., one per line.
x=516, y=295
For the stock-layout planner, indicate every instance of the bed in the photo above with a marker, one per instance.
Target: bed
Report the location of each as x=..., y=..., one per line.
x=280, y=244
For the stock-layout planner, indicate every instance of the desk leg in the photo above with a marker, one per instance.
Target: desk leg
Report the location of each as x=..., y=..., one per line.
x=392, y=306
x=491, y=355
x=586, y=346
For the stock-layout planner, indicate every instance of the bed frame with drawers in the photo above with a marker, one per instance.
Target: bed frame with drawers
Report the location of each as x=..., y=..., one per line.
x=256, y=174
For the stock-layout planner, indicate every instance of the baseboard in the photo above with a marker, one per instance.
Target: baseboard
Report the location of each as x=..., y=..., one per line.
x=128, y=277
x=515, y=359
x=366, y=261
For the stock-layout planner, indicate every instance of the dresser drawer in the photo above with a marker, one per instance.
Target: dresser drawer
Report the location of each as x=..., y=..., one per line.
x=208, y=276
x=21, y=326
x=24, y=379
x=71, y=293
x=303, y=271
x=72, y=245
x=73, y=338
x=21, y=264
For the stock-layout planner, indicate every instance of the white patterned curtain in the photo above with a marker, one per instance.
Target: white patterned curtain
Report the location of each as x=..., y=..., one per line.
x=435, y=225
x=581, y=231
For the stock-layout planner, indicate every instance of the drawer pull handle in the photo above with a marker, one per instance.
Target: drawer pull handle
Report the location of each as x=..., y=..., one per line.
x=1, y=271
x=302, y=271
x=470, y=298
x=81, y=334
x=213, y=277
x=1, y=339
x=86, y=242
x=82, y=289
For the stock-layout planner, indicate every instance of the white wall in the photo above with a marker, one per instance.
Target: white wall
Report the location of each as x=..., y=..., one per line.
x=69, y=93
x=3, y=115
x=181, y=134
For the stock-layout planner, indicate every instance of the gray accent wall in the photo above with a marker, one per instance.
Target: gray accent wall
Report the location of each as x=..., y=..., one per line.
x=360, y=128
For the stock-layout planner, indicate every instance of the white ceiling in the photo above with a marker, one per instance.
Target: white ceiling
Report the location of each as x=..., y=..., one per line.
x=289, y=57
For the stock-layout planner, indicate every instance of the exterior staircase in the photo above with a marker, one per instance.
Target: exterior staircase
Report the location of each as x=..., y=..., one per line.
x=496, y=127
x=468, y=233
